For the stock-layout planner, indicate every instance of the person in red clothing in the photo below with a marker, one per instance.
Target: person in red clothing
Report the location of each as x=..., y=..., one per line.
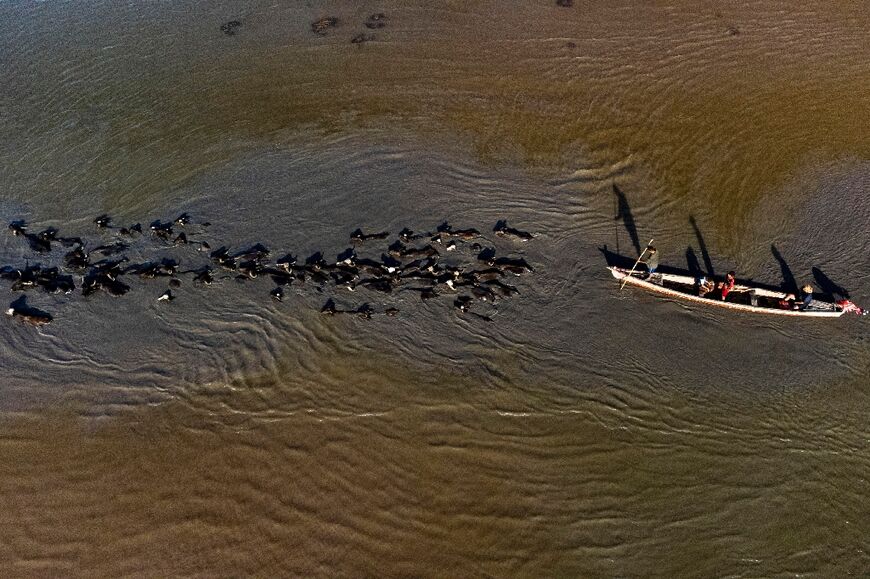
x=726, y=286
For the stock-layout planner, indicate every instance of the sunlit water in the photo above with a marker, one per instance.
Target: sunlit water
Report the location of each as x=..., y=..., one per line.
x=586, y=431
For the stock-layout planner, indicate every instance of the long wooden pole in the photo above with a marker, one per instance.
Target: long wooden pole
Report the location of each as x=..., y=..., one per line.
x=625, y=279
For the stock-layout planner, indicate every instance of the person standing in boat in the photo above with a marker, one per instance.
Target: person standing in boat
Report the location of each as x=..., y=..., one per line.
x=726, y=286
x=651, y=262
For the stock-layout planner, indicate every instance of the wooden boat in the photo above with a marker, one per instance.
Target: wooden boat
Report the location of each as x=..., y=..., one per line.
x=743, y=298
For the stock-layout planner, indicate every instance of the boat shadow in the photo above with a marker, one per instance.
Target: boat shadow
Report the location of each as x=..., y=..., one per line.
x=693, y=268
x=614, y=259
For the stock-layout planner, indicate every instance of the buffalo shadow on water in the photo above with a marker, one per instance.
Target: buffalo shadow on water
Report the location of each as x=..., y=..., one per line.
x=21, y=306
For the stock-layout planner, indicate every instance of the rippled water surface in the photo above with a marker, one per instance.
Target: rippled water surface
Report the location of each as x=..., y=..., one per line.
x=585, y=431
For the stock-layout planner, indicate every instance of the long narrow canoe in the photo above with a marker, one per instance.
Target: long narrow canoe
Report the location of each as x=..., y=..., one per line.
x=743, y=298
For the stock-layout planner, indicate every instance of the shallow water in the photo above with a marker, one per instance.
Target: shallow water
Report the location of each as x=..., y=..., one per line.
x=586, y=431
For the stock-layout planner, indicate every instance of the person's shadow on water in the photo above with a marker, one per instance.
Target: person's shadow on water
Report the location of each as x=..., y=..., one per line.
x=692, y=263
x=830, y=289
x=702, y=245
x=789, y=284
x=623, y=211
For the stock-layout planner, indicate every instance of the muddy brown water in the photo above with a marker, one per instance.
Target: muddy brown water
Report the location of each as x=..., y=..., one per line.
x=584, y=432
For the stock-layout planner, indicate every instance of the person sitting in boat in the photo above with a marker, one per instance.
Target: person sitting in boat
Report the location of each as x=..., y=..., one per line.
x=726, y=286
x=705, y=286
x=807, y=299
x=651, y=262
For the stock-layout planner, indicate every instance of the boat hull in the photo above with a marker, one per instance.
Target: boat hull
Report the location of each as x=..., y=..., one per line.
x=622, y=275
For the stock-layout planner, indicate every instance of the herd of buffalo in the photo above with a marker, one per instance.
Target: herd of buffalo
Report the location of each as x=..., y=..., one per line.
x=447, y=261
